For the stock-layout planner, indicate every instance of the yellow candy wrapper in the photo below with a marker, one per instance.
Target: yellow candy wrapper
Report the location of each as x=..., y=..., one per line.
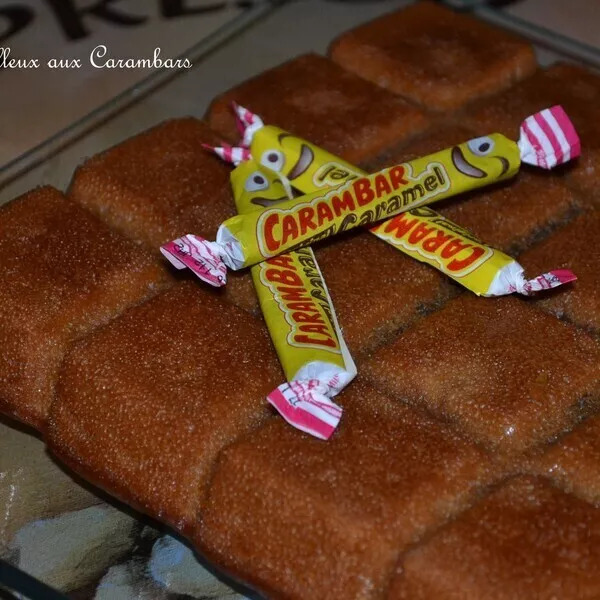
x=300, y=317
x=547, y=138
x=421, y=233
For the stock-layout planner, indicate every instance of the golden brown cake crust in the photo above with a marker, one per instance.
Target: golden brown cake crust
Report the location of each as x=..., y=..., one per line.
x=162, y=184
x=504, y=371
x=573, y=462
x=145, y=405
x=526, y=540
x=302, y=518
x=434, y=55
x=64, y=273
x=159, y=184
x=399, y=289
x=315, y=99
x=575, y=247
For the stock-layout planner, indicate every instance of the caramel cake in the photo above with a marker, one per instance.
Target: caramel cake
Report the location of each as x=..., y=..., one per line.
x=147, y=422
x=350, y=506
x=162, y=184
x=64, y=273
x=573, y=462
x=527, y=539
x=400, y=289
x=501, y=375
x=465, y=462
x=577, y=246
x=434, y=56
x=315, y=99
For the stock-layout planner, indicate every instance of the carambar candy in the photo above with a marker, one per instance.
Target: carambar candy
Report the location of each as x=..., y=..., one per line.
x=421, y=232
x=299, y=314
x=547, y=139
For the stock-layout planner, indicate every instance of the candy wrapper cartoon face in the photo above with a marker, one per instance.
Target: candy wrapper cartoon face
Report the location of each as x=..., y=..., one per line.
x=476, y=158
x=257, y=188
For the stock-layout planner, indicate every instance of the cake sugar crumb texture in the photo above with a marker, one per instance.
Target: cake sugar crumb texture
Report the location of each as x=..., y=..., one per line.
x=574, y=247
x=313, y=98
x=505, y=372
x=145, y=404
x=573, y=461
x=64, y=273
x=303, y=519
x=465, y=462
x=162, y=184
x=509, y=215
x=526, y=540
x=399, y=289
x=434, y=56
x=158, y=184
x=576, y=89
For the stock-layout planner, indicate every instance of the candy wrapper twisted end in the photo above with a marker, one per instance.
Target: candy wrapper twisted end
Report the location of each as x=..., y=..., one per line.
x=207, y=260
x=548, y=138
x=511, y=279
x=230, y=154
x=247, y=122
x=305, y=406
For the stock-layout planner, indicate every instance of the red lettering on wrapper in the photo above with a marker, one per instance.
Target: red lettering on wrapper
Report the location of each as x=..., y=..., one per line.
x=459, y=265
x=453, y=248
x=420, y=232
x=270, y=223
x=399, y=225
x=289, y=229
x=397, y=176
x=382, y=186
x=286, y=277
x=363, y=192
x=433, y=244
x=324, y=213
x=306, y=219
x=345, y=203
x=326, y=342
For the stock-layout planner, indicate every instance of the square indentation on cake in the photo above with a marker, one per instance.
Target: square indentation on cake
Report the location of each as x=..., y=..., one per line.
x=145, y=404
x=508, y=374
x=507, y=215
x=526, y=540
x=317, y=100
x=575, y=89
x=63, y=274
x=434, y=56
x=311, y=519
x=573, y=462
x=574, y=247
x=162, y=184
x=376, y=289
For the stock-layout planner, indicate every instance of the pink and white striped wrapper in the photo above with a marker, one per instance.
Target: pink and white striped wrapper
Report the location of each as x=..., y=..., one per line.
x=548, y=139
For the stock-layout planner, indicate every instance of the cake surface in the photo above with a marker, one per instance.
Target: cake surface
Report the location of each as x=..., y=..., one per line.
x=466, y=461
x=162, y=184
x=434, y=56
x=497, y=367
x=573, y=462
x=399, y=289
x=526, y=540
x=331, y=518
x=313, y=98
x=146, y=422
x=574, y=247
x=64, y=273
